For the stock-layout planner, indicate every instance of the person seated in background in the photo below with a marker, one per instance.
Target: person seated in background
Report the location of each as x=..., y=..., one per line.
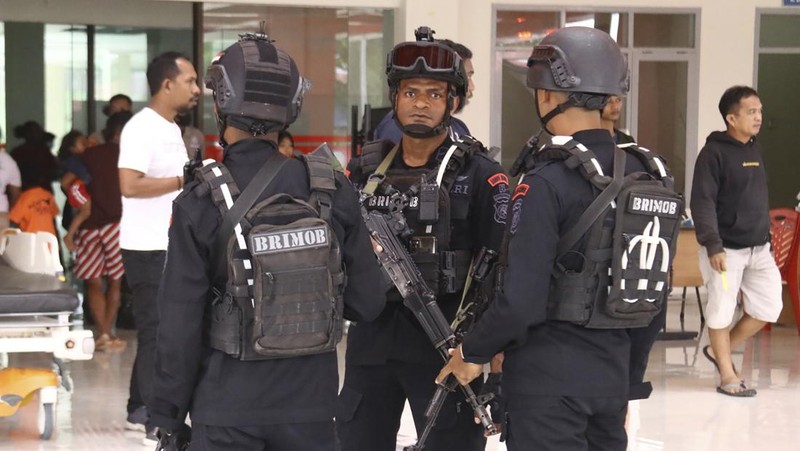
x=35, y=210
x=286, y=143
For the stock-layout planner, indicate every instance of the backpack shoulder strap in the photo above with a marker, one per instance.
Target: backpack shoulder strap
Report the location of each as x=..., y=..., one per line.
x=654, y=163
x=214, y=178
x=597, y=207
x=575, y=156
x=322, y=181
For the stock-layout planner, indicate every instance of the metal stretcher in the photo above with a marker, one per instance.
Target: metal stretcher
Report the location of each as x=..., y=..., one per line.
x=35, y=317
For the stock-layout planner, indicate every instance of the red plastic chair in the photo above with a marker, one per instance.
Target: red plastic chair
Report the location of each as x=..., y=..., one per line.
x=785, y=244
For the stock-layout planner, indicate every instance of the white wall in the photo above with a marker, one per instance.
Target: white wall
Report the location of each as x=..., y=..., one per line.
x=134, y=13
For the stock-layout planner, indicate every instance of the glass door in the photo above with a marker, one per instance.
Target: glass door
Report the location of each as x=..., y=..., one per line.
x=518, y=109
x=660, y=119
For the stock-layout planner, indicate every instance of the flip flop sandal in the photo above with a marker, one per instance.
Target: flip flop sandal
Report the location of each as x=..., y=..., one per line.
x=745, y=393
x=708, y=356
x=714, y=361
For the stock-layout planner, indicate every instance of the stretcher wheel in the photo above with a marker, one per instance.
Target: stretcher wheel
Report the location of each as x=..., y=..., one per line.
x=47, y=420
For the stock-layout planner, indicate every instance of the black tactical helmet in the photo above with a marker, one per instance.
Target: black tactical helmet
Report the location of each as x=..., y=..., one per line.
x=426, y=58
x=579, y=59
x=257, y=87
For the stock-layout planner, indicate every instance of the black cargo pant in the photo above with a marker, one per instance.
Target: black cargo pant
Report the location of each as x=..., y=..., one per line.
x=319, y=436
x=144, y=270
x=372, y=400
x=564, y=423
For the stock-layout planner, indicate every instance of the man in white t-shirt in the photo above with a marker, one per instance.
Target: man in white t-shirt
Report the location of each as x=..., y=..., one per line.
x=151, y=159
x=10, y=184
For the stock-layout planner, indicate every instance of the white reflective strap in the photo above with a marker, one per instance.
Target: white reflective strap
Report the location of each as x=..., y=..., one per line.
x=594, y=161
x=239, y=238
x=560, y=140
x=443, y=165
x=440, y=174
x=237, y=229
x=662, y=171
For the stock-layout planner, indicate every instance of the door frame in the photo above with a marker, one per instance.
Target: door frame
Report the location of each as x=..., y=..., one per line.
x=639, y=55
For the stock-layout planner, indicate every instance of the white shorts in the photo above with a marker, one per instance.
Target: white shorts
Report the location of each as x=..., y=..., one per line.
x=751, y=270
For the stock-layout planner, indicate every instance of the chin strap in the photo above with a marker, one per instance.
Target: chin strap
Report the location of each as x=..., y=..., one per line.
x=423, y=131
x=575, y=99
x=221, y=130
x=553, y=113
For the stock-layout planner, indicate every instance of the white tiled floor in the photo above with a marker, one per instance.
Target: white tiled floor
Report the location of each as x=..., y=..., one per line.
x=684, y=412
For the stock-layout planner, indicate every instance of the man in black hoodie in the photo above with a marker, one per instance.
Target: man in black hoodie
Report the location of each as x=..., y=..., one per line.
x=731, y=214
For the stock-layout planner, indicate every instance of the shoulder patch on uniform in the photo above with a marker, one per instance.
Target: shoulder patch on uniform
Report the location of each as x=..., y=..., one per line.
x=498, y=179
x=521, y=191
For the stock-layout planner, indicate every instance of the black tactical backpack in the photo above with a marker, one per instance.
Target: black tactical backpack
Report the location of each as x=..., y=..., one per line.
x=631, y=231
x=285, y=281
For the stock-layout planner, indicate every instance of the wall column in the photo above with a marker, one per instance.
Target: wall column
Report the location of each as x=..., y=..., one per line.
x=24, y=76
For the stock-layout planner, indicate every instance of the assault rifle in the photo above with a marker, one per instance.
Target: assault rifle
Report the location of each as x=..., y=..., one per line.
x=385, y=230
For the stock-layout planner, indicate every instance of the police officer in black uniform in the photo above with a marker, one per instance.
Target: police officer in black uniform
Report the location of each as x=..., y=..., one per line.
x=566, y=386
x=391, y=359
x=280, y=404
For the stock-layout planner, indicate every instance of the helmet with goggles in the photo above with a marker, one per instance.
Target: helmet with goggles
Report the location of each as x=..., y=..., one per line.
x=257, y=87
x=427, y=58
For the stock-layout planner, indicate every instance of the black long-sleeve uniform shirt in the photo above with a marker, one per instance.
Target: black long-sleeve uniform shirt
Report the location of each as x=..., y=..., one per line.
x=730, y=203
x=218, y=389
x=551, y=358
x=478, y=201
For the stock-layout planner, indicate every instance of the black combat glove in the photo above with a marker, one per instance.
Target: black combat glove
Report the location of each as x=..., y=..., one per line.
x=497, y=403
x=174, y=440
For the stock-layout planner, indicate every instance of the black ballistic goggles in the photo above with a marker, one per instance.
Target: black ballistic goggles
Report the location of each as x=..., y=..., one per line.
x=435, y=57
